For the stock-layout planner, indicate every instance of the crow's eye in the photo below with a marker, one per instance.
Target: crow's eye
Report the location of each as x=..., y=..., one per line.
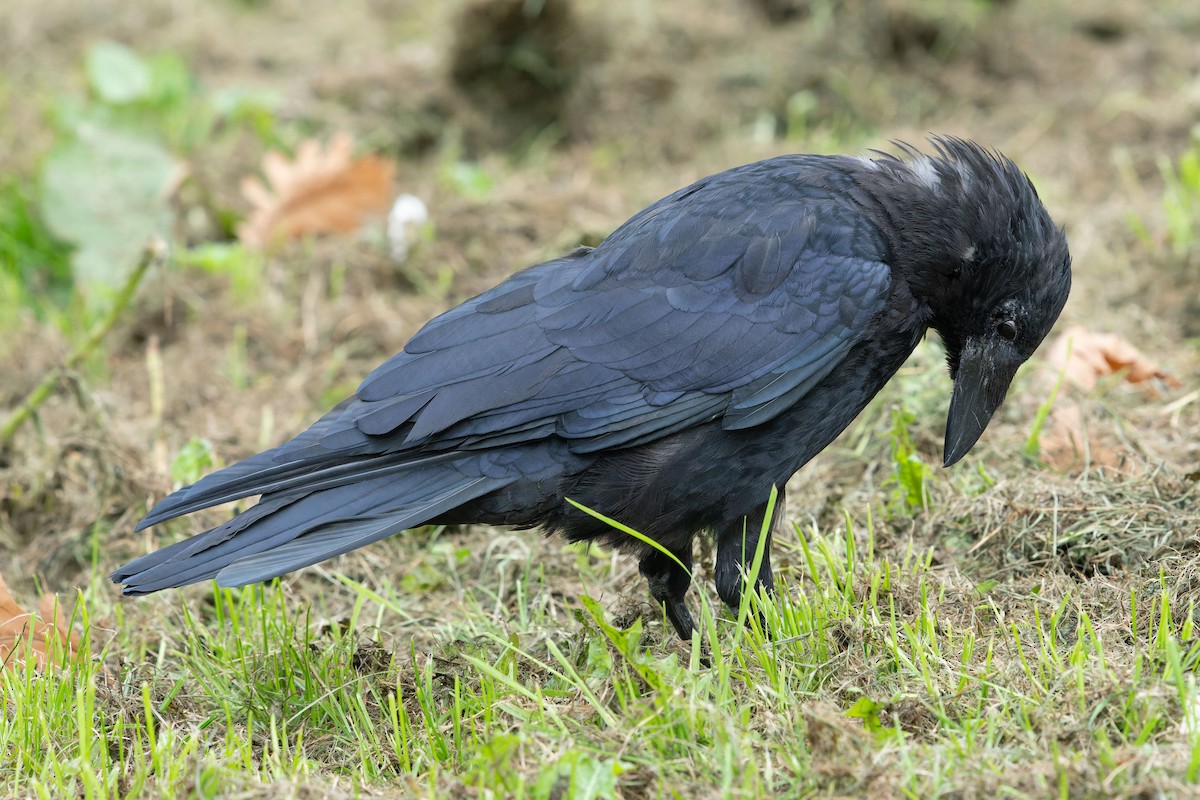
x=1007, y=330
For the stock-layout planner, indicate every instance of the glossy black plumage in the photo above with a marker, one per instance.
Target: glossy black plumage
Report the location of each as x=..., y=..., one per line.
x=668, y=378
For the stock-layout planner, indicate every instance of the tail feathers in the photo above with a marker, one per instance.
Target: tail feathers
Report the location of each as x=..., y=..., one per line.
x=265, y=472
x=285, y=532
x=346, y=535
x=142, y=575
x=260, y=475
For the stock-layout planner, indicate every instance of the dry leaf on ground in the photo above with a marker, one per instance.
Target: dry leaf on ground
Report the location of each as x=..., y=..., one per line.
x=1068, y=444
x=322, y=190
x=1084, y=357
x=48, y=637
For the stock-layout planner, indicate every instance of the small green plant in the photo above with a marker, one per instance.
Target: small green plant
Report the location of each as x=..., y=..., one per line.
x=105, y=184
x=469, y=179
x=910, y=490
x=868, y=711
x=1033, y=444
x=1181, y=199
x=192, y=461
x=242, y=266
x=1180, y=202
x=156, y=95
x=464, y=177
x=35, y=265
x=105, y=190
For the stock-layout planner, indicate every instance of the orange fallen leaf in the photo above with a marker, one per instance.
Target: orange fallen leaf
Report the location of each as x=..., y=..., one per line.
x=49, y=636
x=1085, y=356
x=1069, y=444
x=321, y=190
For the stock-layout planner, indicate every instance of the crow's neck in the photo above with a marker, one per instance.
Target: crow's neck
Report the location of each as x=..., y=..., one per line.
x=928, y=230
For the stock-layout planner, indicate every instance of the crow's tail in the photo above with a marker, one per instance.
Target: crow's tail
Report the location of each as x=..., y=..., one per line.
x=331, y=453
x=297, y=527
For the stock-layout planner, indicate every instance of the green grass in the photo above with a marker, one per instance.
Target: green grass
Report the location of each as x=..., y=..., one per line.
x=1174, y=227
x=936, y=686
x=35, y=270
x=1181, y=199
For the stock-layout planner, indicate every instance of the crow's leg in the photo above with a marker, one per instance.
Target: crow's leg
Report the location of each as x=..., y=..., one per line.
x=736, y=546
x=669, y=583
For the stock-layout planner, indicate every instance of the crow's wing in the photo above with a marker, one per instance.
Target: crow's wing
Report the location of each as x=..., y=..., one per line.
x=729, y=299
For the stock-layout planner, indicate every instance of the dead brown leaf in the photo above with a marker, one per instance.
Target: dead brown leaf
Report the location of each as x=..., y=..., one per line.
x=1085, y=356
x=47, y=639
x=322, y=190
x=1069, y=445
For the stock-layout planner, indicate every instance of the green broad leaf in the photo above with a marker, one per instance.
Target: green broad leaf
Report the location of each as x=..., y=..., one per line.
x=578, y=775
x=867, y=710
x=106, y=192
x=116, y=73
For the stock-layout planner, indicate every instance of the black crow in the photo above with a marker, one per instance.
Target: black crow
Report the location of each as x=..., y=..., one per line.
x=702, y=353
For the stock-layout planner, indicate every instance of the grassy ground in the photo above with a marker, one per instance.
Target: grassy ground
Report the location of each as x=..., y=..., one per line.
x=1028, y=632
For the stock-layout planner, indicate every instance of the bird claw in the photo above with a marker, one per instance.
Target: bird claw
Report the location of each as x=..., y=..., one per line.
x=680, y=617
x=669, y=581
x=735, y=553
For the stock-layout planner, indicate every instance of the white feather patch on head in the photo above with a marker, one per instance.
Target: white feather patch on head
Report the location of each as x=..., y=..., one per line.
x=924, y=169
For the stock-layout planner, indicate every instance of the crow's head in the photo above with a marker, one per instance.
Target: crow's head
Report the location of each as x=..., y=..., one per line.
x=977, y=247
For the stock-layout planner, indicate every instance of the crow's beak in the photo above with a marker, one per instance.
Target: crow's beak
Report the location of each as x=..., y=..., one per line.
x=985, y=369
